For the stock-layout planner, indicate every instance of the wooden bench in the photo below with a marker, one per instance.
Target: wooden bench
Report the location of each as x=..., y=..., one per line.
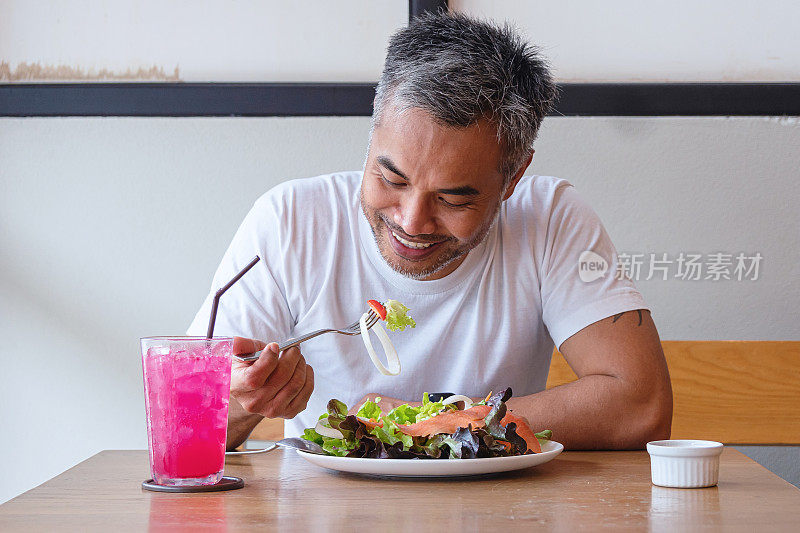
x=736, y=392
x=268, y=429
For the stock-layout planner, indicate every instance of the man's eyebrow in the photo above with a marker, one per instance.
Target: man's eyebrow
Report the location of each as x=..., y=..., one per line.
x=387, y=163
x=464, y=190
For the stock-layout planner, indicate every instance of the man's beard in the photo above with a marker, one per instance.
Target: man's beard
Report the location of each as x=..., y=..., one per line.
x=445, y=258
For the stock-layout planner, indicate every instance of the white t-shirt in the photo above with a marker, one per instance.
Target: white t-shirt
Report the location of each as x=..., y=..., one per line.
x=490, y=324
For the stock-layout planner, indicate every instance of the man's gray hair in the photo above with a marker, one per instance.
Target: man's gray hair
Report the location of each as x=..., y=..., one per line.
x=461, y=70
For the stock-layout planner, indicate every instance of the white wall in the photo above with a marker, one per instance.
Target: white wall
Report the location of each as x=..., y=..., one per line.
x=657, y=40
x=319, y=40
x=197, y=40
x=694, y=185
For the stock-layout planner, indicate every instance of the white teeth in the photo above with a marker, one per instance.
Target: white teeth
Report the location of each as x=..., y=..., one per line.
x=416, y=245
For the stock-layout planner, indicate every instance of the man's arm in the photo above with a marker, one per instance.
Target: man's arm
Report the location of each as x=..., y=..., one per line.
x=622, y=398
x=240, y=424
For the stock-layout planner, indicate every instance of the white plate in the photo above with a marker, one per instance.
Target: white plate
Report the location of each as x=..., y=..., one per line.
x=433, y=467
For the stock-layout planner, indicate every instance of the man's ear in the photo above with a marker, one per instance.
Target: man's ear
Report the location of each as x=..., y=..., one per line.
x=520, y=172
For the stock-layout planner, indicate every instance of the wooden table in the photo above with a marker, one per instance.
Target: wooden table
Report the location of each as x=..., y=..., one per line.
x=578, y=490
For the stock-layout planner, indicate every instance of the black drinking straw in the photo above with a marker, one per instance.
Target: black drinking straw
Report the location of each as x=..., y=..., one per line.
x=220, y=292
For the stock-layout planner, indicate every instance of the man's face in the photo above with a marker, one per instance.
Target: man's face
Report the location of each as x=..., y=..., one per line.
x=430, y=192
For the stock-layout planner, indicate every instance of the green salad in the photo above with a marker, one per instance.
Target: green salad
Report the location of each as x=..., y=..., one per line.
x=424, y=431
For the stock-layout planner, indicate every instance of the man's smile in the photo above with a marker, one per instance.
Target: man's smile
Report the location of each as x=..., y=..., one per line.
x=411, y=244
x=409, y=249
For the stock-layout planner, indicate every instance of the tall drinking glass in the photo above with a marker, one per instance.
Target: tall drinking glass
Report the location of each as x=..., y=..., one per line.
x=186, y=385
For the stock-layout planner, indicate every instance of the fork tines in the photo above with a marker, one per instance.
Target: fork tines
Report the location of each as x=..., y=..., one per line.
x=370, y=321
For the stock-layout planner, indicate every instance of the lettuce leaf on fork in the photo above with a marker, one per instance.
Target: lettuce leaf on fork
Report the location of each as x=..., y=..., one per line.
x=397, y=317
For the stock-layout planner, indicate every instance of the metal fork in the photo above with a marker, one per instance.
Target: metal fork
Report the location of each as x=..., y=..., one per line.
x=352, y=329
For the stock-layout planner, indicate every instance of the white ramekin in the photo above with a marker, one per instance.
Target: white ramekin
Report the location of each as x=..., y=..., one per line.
x=684, y=463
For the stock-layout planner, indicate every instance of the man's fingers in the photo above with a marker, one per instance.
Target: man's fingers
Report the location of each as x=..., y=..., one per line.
x=242, y=345
x=300, y=401
x=281, y=371
x=262, y=368
x=272, y=399
x=292, y=389
x=268, y=359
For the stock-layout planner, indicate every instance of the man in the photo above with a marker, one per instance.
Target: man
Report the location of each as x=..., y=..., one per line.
x=443, y=220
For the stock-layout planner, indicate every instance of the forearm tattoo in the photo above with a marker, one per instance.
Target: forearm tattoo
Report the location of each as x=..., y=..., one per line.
x=617, y=317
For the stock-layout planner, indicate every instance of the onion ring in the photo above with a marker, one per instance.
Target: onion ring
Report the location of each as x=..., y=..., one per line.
x=391, y=354
x=458, y=398
x=325, y=431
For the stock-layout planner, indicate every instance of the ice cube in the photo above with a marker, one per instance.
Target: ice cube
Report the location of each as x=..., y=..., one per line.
x=219, y=402
x=185, y=432
x=206, y=398
x=222, y=349
x=190, y=383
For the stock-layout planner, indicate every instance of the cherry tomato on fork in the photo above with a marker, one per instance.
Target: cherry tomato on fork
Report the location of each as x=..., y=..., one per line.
x=378, y=307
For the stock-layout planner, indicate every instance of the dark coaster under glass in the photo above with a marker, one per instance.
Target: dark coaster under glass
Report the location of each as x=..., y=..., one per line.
x=226, y=483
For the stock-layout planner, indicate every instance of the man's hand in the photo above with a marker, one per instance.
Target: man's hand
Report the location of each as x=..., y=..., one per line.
x=386, y=404
x=273, y=386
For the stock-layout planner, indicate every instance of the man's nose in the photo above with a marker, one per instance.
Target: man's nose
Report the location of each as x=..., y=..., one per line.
x=416, y=216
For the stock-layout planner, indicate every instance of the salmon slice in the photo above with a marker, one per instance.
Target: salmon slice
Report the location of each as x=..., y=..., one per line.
x=370, y=423
x=449, y=422
x=524, y=431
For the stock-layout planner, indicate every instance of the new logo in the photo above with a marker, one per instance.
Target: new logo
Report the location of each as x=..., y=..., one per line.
x=591, y=266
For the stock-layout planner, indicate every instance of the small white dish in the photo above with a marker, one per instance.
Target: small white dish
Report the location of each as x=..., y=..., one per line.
x=269, y=447
x=684, y=464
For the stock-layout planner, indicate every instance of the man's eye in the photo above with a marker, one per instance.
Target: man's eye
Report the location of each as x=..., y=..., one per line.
x=449, y=204
x=392, y=183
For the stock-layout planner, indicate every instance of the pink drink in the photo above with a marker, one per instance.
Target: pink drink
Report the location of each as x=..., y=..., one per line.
x=186, y=385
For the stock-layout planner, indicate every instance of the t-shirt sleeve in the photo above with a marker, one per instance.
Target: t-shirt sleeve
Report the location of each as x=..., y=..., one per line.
x=575, y=296
x=255, y=306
